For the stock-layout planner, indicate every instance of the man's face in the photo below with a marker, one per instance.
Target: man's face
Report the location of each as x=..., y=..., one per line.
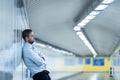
x=31, y=38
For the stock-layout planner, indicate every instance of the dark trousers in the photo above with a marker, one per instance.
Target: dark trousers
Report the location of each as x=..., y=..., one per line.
x=44, y=75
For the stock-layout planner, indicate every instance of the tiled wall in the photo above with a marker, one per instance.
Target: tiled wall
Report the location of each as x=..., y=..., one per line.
x=12, y=22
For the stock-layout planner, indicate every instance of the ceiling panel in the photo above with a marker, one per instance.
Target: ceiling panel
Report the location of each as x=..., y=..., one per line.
x=104, y=30
x=52, y=22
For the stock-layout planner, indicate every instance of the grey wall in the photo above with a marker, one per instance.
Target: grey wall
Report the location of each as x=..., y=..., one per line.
x=12, y=22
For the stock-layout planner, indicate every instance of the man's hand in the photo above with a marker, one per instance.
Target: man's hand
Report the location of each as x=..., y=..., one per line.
x=41, y=57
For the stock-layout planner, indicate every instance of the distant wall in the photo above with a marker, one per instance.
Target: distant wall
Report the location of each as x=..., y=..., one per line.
x=91, y=67
x=57, y=62
x=62, y=65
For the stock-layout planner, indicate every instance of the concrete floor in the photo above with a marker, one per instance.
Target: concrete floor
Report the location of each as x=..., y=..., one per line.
x=89, y=76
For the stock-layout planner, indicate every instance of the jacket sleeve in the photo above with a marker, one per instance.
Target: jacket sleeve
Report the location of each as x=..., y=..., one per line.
x=33, y=56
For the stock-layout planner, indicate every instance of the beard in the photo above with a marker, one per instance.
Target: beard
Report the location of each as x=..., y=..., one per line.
x=31, y=42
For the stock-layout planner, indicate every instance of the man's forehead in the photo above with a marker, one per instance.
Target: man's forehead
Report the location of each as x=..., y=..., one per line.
x=32, y=33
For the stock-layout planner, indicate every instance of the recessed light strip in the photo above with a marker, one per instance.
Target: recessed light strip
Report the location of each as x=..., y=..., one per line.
x=103, y=5
x=87, y=43
x=54, y=49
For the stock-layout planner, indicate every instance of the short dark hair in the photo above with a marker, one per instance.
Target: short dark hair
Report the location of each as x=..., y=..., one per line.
x=26, y=33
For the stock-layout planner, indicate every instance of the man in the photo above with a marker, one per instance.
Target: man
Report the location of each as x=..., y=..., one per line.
x=33, y=58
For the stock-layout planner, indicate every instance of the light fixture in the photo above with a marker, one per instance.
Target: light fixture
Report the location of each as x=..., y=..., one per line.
x=107, y=1
x=90, y=17
x=39, y=44
x=53, y=49
x=79, y=33
x=77, y=28
x=94, y=13
x=101, y=7
x=81, y=25
x=87, y=43
x=61, y=51
x=104, y=4
x=85, y=21
x=82, y=37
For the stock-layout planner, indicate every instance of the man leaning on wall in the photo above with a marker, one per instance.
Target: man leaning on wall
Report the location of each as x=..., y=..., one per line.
x=33, y=58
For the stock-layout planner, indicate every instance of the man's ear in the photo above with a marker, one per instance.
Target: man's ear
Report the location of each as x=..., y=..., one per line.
x=26, y=38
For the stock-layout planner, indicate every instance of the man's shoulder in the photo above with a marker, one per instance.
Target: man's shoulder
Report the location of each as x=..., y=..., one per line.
x=26, y=46
x=25, y=49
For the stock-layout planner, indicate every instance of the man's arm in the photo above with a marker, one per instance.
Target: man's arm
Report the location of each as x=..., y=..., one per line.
x=33, y=56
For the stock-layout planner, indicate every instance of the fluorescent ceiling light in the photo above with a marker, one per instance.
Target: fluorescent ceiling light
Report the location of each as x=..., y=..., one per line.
x=53, y=49
x=79, y=33
x=85, y=21
x=83, y=38
x=70, y=54
x=94, y=13
x=39, y=44
x=87, y=43
x=62, y=52
x=94, y=55
x=90, y=17
x=101, y=7
x=81, y=25
x=77, y=28
x=107, y=1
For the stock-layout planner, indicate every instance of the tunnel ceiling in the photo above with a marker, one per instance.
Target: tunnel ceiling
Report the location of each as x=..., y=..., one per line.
x=53, y=22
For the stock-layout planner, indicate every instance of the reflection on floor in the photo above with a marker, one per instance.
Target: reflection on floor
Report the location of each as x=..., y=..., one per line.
x=117, y=75
x=56, y=75
x=89, y=76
